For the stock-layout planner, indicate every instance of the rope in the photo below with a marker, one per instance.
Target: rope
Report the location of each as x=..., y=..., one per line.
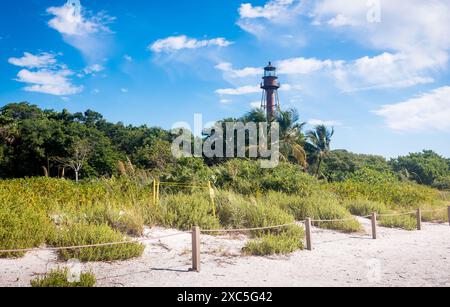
x=25, y=250
x=248, y=229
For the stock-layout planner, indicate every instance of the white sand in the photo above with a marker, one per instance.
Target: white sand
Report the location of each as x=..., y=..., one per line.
x=397, y=258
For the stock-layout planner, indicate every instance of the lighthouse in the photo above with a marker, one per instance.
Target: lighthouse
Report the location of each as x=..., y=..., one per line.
x=270, y=101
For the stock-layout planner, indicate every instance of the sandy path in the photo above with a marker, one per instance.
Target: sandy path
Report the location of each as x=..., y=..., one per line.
x=398, y=258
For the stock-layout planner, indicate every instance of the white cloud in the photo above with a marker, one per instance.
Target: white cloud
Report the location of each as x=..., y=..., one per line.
x=244, y=90
x=271, y=10
x=339, y=21
x=80, y=28
x=409, y=26
x=43, y=74
x=53, y=82
x=429, y=111
x=34, y=61
x=318, y=122
x=176, y=43
x=71, y=19
x=388, y=70
x=124, y=90
x=92, y=69
x=412, y=39
x=128, y=58
x=226, y=101
x=302, y=66
x=238, y=73
x=276, y=18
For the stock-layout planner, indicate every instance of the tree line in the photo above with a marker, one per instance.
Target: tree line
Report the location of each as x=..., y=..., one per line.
x=36, y=142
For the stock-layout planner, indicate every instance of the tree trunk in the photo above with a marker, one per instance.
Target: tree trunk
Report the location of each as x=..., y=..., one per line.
x=318, y=167
x=76, y=176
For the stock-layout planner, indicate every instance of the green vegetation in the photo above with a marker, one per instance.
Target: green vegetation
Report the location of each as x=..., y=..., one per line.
x=284, y=242
x=59, y=279
x=361, y=207
x=83, y=234
x=406, y=222
x=320, y=205
x=113, y=167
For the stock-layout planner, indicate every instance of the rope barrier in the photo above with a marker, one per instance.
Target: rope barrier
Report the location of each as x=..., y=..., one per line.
x=25, y=250
x=188, y=232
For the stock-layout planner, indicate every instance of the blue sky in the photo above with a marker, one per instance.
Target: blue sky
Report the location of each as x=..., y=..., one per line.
x=378, y=71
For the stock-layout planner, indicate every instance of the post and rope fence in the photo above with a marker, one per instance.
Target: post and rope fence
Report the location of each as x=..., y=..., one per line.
x=374, y=225
x=196, y=236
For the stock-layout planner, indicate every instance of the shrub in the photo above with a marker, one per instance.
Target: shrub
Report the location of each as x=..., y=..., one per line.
x=405, y=195
x=285, y=242
x=59, y=279
x=22, y=227
x=318, y=206
x=365, y=207
x=128, y=222
x=405, y=222
x=85, y=234
x=442, y=183
x=183, y=211
x=248, y=178
x=236, y=212
x=434, y=213
x=291, y=179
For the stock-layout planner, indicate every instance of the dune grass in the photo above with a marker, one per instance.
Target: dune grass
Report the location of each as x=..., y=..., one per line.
x=285, y=241
x=85, y=234
x=361, y=207
x=59, y=279
x=405, y=222
x=318, y=206
x=61, y=212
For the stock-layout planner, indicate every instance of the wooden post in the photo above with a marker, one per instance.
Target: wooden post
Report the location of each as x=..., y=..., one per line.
x=374, y=225
x=308, y=234
x=157, y=193
x=154, y=192
x=419, y=219
x=449, y=215
x=196, y=249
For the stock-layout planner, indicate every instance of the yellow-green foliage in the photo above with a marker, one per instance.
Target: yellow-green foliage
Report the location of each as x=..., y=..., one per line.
x=22, y=226
x=285, y=241
x=238, y=212
x=393, y=194
x=363, y=207
x=84, y=234
x=405, y=222
x=436, y=213
x=183, y=211
x=59, y=279
x=318, y=206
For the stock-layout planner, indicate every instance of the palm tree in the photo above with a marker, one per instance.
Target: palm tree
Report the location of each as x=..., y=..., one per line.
x=292, y=138
x=319, y=141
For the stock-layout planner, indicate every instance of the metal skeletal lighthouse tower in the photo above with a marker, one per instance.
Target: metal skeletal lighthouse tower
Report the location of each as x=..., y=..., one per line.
x=270, y=100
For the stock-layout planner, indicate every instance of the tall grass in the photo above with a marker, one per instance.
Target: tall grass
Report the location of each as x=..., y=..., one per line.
x=59, y=279
x=318, y=206
x=85, y=234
